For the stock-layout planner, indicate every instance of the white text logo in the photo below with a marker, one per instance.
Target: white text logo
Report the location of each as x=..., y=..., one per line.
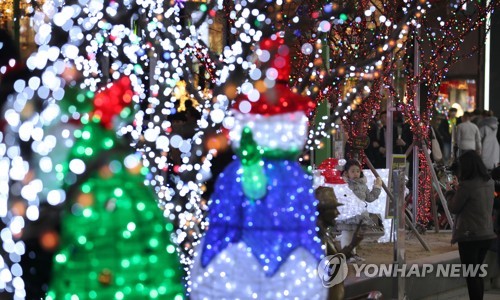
x=332, y=270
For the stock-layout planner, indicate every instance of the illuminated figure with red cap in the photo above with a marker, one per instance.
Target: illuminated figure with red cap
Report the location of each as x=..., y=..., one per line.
x=262, y=238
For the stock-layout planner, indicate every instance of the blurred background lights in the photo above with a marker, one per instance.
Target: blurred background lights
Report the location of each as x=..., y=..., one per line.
x=87, y=44
x=77, y=166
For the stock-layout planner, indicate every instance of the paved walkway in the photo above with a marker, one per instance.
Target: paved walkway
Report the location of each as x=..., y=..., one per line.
x=461, y=294
x=430, y=287
x=492, y=295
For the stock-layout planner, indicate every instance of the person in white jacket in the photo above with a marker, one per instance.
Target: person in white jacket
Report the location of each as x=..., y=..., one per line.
x=468, y=135
x=488, y=128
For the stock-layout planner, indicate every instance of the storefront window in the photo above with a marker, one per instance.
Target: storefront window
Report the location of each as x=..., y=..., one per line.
x=460, y=94
x=24, y=34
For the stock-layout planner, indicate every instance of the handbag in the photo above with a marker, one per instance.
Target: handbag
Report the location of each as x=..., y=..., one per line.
x=437, y=155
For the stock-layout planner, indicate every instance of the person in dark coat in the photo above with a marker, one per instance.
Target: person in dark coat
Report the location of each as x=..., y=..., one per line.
x=495, y=175
x=376, y=150
x=471, y=200
x=444, y=132
x=402, y=135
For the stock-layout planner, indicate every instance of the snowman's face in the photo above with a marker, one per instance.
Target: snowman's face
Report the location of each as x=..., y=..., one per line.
x=287, y=131
x=354, y=172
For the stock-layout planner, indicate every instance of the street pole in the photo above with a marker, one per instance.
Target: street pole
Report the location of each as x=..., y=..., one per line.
x=416, y=70
x=399, y=232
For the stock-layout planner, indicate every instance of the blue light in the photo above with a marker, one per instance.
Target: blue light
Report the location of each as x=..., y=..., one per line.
x=272, y=227
x=140, y=52
x=328, y=8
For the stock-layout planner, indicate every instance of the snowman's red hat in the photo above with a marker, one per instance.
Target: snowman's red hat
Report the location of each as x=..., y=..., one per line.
x=278, y=99
x=279, y=57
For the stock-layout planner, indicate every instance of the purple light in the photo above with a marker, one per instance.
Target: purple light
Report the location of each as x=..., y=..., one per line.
x=180, y=3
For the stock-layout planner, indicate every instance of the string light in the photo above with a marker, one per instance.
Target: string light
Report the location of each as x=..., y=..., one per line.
x=157, y=47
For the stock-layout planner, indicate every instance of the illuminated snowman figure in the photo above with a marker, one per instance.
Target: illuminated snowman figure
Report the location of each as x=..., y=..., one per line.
x=262, y=240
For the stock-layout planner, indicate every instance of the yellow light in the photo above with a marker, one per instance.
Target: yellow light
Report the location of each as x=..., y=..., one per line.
x=181, y=94
x=7, y=9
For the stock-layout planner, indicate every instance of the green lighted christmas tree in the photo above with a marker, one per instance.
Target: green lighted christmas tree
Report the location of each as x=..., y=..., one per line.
x=115, y=242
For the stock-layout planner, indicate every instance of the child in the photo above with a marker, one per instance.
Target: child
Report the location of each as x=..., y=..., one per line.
x=356, y=181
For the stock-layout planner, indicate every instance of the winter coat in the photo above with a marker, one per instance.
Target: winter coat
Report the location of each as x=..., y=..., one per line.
x=472, y=204
x=468, y=137
x=491, y=149
x=444, y=132
x=361, y=190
